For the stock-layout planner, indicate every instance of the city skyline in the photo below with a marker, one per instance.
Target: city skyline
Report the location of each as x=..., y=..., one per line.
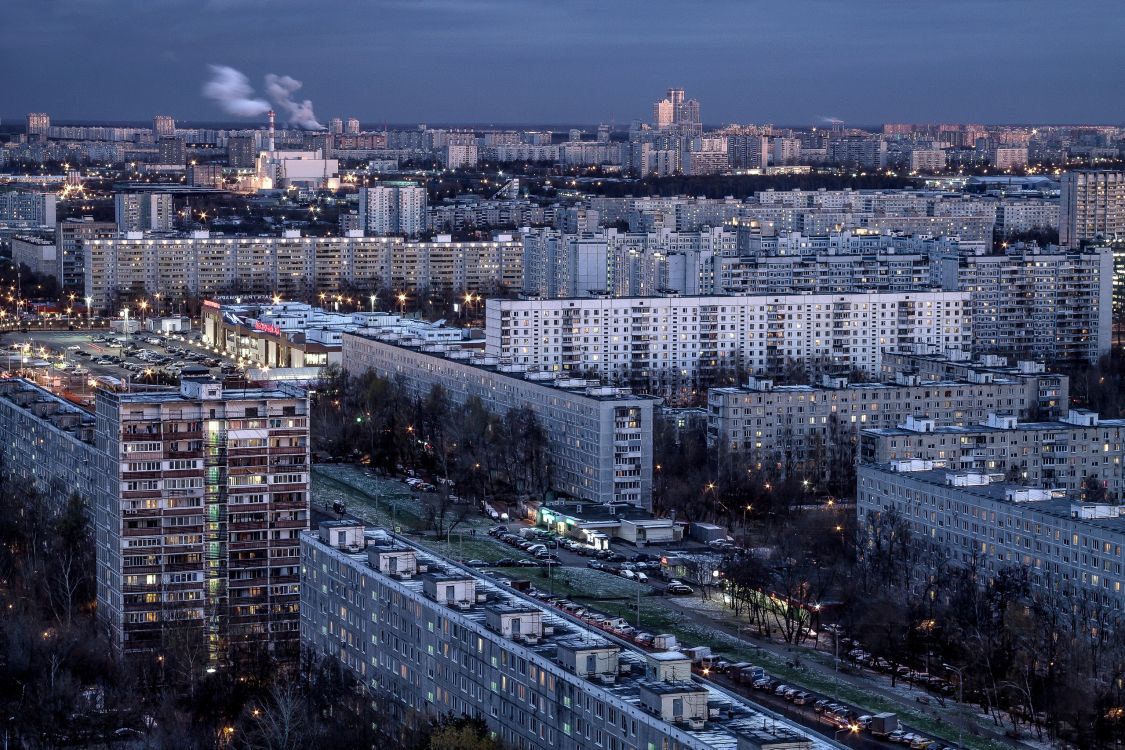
x=406, y=62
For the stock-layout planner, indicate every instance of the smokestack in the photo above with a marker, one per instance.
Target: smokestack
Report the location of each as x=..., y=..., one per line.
x=271, y=116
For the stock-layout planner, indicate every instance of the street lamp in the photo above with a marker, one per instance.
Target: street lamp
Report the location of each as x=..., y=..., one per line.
x=960, y=692
x=373, y=298
x=402, y=303
x=89, y=301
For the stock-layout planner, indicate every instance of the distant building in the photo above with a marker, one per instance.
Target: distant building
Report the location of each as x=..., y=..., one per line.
x=927, y=160
x=38, y=124
x=1092, y=207
x=351, y=127
x=143, y=212
x=70, y=251
x=37, y=253
x=1009, y=157
x=172, y=151
x=205, y=175
x=163, y=126
x=459, y=155
x=241, y=151
x=393, y=208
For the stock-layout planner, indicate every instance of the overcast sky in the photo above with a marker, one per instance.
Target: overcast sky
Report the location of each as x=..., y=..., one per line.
x=575, y=61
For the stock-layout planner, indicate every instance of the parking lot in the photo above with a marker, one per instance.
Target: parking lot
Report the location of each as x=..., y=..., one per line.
x=142, y=357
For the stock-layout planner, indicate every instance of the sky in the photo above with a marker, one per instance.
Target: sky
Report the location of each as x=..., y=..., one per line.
x=791, y=62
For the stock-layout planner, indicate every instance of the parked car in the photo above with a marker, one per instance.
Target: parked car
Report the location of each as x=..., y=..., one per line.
x=679, y=589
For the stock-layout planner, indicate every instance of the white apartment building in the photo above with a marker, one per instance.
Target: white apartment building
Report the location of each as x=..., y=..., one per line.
x=1091, y=207
x=927, y=160
x=675, y=346
x=393, y=208
x=293, y=266
x=1036, y=304
x=143, y=212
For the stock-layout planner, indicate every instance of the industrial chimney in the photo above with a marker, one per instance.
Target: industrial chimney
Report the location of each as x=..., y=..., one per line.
x=271, y=115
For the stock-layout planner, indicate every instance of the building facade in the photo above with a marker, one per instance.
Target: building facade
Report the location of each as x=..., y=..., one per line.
x=599, y=439
x=1091, y=207
x=423, y=637
x=143, y=212
x=1036, y=304
x=795, y=420
x=202, y=493
x=393, y=208
x=293, y=266
x=47, y=443
x=1069, y=545
x=676, y=346
x=1063, y=454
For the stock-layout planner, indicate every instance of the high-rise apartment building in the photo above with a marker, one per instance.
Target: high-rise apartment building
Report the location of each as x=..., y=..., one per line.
x=421, y=636
x=1092, y=207
x=172, y=151
x=38, y=123
x=675, y=346
x=335, y=126
x=201, y=497
x=351, y=127
x=1036, y=304
x=393, y=208
x=599, y=438
x=163, y=126
x=143, y=212
x=70, y=250
x=241, y=152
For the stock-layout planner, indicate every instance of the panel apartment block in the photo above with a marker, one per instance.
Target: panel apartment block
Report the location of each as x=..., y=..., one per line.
x=203, y=494
x=675, y=347
x=599, y=438
x=1058, y=454
x=762, y=418
x=421, y=636
x=1068, y=545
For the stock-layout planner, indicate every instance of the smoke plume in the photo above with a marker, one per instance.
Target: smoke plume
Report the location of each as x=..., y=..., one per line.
x=232, y=91
x=830, y=120
x=281, y=89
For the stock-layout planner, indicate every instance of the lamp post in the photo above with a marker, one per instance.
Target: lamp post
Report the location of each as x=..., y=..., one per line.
x=89, y=323
x=960, y=692
x=373, y=298
x=402, y=304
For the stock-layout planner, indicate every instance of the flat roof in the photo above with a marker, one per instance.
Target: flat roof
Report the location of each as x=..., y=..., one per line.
x=1056, y=507
x=619, y=394
x=719, y=733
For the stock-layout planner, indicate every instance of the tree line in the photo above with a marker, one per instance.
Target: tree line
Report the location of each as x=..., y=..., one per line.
x=486, y=456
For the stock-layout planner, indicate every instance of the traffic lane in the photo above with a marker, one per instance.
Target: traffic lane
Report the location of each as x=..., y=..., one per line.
x=803, y=715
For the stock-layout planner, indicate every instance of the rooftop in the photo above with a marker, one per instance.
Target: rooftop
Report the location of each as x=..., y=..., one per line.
x=1058, y=504
x=729, y=714
x=471, y=357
